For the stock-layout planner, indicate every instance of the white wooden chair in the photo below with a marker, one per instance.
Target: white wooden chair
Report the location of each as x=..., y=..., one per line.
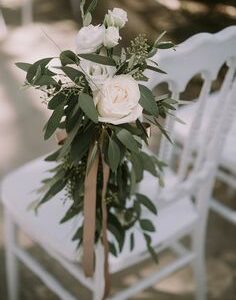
x=183, y=203
x=227, y=169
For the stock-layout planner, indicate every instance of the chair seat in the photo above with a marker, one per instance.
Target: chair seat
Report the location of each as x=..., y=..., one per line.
x=19, y=190
x=186, y=113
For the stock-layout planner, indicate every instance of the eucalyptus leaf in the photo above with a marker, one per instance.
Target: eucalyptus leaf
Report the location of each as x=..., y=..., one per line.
x=68, y=57
x=155, y=69
x=57, y=100
x=142, y=128
x=138, y=166
x=54, y=121
x=123, y=56
x=45, y=80
x=87, y=19
x=152, y=52
x=126, y=138
x=113, y=155
x=55, y=189
x=160, y=37
x=23, y=66
x=31, y=73
x=145, y=201
x=112, y=249
x=164, y=45
x=131, y=62
x=72, y=134
x=82, y=3
x=72, y=73
x=147, y=101
x=75, y=117
x=86, y=103
x=162, y=97
x=38, y=74
x=81, y=143
x=115, y=227
x=99, y=59
x=148, y=163
x=163, y=131
x=71, y=213
x=78, y=235
x=147, y=225
x=132, y=241
x=53, y=156
x=150, y=248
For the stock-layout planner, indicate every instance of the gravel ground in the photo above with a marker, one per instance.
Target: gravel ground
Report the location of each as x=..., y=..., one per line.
x=22, y=117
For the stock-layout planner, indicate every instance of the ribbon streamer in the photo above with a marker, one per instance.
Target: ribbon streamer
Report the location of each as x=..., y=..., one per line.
x=90, y=221
x=89, y=227
x=106, y=173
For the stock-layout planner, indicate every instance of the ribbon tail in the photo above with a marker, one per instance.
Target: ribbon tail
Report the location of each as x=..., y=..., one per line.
x=106, y=173
x=90, y=194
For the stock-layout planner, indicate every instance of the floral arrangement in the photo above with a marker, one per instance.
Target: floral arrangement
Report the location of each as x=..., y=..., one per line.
x=101, y=113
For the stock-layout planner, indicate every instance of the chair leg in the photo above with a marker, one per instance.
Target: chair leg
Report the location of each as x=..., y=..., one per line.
x=11, y=259
x=199, y=268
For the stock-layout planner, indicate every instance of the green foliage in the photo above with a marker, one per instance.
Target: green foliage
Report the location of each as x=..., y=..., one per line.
x=145, y=201
x=113, y=155
x=147, y=101
x=54, y=121
x=68, y=57
x=56, y=101
x=147, y=225
x=87, y=105
x=127, y=139
x=99, y=59
x=164, y=45
x=23, y=66
x=73, y=74
x=68, y=94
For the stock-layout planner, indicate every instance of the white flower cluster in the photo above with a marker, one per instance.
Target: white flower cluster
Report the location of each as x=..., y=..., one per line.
x=115, y=97
x=91, y=38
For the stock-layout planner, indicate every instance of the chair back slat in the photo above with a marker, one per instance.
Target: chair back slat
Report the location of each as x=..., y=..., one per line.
x=209, y=162
x=216, y=114
x=195, y=126
x=165, y=151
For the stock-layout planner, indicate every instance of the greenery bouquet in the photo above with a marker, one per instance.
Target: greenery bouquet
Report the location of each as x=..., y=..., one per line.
x=101, y=114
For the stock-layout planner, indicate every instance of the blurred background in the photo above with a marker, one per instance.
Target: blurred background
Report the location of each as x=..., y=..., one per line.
x=28, y=33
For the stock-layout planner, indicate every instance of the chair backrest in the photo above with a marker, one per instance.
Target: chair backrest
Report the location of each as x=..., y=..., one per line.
x=202, y=54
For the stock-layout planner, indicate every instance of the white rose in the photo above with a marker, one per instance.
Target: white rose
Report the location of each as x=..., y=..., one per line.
x=96, y=74
x=118, y=100
x=117, y=17
x=111, y=37
x=90, y=38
